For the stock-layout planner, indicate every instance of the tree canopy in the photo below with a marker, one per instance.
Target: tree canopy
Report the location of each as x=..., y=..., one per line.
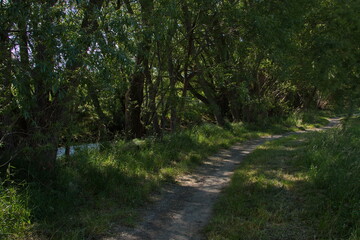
x=80, y=71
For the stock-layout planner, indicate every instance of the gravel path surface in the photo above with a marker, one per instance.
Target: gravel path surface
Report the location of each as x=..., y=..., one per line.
x=183, y=209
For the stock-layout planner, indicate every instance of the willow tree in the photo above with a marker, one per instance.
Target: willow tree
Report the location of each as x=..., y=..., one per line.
x=40, y=75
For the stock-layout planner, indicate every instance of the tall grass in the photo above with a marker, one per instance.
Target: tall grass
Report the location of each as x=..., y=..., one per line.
x=14, y=212
x=334, y=163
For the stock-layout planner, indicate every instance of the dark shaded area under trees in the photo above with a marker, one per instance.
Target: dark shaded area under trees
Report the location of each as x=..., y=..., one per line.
x=83, y=71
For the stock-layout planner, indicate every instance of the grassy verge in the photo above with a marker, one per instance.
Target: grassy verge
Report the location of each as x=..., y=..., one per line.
x=95, y=188
x=300, y=187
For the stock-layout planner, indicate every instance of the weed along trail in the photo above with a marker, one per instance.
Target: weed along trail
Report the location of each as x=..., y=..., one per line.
x=183, y=208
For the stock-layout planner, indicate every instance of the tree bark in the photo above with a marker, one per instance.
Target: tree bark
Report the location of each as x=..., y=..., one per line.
x=6, y=98
x=134, y=127
x=133, y=101
x=172, y=94
x=153, y=89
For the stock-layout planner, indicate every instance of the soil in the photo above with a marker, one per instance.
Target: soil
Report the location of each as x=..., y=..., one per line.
x=183, y=208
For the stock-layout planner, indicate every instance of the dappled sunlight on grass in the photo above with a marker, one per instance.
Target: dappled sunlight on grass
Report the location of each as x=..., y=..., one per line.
x=264, y=198
x=299, y=187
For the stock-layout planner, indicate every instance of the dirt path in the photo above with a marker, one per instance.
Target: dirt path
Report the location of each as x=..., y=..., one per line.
x=184, y=208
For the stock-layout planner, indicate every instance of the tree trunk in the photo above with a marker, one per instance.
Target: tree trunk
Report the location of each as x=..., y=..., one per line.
x=133, y=101
x=172, y=94
x=134, y=97
x=6, y=98
x=45, y=119
x=153, y=89
x=189, y=26
x=104, y=120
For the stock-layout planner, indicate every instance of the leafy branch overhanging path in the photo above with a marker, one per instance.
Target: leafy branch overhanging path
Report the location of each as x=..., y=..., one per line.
x=184, y=208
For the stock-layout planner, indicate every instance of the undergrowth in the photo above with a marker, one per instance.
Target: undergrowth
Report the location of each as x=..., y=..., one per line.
x=95, y=188
x=14, y=213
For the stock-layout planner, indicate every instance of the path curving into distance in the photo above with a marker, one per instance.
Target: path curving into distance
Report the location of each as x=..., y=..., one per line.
x=184, y=208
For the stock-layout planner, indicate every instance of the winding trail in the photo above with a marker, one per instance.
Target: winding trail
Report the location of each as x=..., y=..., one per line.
x=183, y=209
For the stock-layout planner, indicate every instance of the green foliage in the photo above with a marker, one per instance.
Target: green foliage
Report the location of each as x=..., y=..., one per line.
x=15, y=213
x=334, y=172
x=327, y=39
x=68, y=69
x=94, y=71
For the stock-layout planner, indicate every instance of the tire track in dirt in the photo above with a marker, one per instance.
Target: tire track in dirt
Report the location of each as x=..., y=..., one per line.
x=183, y=209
